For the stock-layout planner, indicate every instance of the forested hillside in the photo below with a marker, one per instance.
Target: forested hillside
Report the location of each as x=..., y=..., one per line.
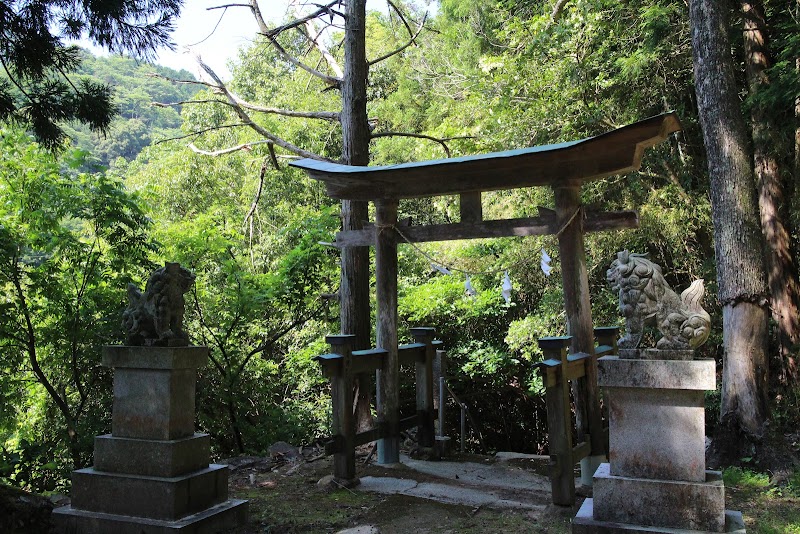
x=136, y=86
x=476, y=77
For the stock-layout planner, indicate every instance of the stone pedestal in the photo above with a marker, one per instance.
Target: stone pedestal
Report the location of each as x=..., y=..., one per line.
x=152, y=473
x=656, y=478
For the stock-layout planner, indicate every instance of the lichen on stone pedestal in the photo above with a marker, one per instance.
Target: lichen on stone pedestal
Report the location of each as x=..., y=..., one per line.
x=155, y=317
x=646, y=299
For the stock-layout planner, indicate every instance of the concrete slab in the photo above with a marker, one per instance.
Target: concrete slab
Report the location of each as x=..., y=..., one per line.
x=584, y=523
x=483, y=475
x=445, y=493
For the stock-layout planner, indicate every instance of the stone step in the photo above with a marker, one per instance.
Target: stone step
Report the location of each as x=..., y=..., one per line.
x=155, y=458
x=219, y=518
x=166, y=498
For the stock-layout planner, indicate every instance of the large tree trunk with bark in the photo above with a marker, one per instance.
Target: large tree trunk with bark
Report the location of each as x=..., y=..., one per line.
x=354, y=288
x=768, y=148
x=738, y=240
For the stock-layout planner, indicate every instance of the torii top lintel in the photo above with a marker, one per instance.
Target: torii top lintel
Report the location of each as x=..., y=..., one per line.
x=562, y=164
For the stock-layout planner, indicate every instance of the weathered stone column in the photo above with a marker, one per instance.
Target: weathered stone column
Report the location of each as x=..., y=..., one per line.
x=152, y=473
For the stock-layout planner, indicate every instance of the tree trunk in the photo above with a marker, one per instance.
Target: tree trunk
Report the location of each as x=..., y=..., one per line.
x=738, y=243
x=354, y=287
x=784, y=288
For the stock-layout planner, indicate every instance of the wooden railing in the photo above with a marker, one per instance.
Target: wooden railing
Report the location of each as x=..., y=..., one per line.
x=557, y=370
x=342, y=365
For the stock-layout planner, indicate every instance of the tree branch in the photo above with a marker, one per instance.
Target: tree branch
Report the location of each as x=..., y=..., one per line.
x=229, y=150
x=199, y=132
x=411, y=41
x=413, y=35
x=323, y=115
x=442, y=141
x=255, y=126
x=179, y=81
x=274, y=32
x=557, y=9
x=260, y=188
x=312, y=34
x=330, y=80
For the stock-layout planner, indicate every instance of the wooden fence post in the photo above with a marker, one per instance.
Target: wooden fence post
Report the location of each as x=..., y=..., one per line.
x=344, y=460
x=559, y=418
x=424, y=380
x=606, y=336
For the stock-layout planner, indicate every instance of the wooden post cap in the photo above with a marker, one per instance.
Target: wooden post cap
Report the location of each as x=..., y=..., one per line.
x=558, y=342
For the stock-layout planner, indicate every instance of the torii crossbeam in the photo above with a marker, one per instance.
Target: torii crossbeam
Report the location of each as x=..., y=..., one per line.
x=562, y=166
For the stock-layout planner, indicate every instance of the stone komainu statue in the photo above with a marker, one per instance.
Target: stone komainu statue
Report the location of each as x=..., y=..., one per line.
x=645, y=298
x=155, y=317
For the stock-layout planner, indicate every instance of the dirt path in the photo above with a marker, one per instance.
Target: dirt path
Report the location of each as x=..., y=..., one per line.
x=285, y=498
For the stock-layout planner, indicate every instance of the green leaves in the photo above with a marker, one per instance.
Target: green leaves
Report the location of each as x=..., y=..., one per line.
x=35, y=89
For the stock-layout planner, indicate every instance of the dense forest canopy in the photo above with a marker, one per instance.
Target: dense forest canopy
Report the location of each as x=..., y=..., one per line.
x=476, y=77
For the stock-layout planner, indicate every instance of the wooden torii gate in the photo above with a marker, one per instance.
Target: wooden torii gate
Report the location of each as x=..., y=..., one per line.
x=562, y=166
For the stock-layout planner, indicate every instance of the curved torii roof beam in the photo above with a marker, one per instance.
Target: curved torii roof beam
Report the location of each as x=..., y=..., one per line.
x=558, y=165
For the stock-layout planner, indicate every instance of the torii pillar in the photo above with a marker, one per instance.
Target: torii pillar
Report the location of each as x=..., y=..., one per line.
x=578, y=308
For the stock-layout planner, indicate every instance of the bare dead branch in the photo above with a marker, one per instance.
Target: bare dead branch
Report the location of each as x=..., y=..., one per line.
x=200, y=132
x=323, y=115
x=554, y=16
x=273, y=156
x=401, y=15
x=229, y=150
x=274, y=32
x=182, y=102
x=226, y=6
x=442, y=142
x=252, y=124
x=330, y=80
x=312, y=34
x=179, y=81
x=411, y=41
x=260, y=188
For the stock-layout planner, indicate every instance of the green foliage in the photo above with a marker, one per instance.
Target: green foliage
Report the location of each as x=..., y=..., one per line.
x=138, y=123
x=68, y=242
x=35, y=89
x=769, y=507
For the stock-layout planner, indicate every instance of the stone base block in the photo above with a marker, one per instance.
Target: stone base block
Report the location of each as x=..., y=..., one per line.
x=657, y=416
x=153, y=458
x=657, y=433
x=154, y=390
x=167, y=498
x=661, y=503
x=220, y=518
x=585, y=523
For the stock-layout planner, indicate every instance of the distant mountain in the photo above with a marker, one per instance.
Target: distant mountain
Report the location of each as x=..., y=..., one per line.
x=138, y=122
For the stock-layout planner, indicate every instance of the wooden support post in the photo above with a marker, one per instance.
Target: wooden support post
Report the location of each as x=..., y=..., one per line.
x=579, y=313
x=344, y=427
x=607, y=336
x=424, y=379
x=471, y=209
x=388, y=377
x=559, y=422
